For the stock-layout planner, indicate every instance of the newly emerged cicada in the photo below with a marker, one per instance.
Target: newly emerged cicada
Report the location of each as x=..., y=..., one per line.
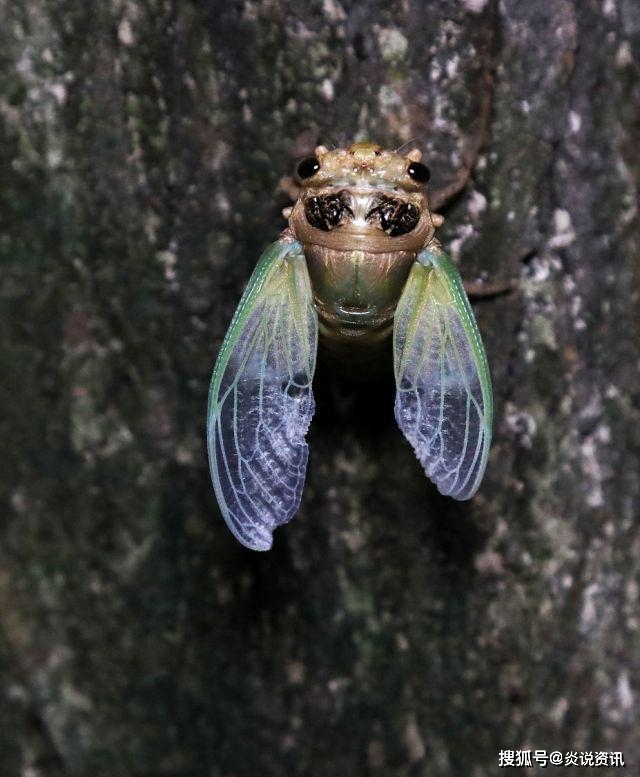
x=357, y=263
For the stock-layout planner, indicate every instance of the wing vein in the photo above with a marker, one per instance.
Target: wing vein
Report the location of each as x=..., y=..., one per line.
x=260, y=399
x=443, y=399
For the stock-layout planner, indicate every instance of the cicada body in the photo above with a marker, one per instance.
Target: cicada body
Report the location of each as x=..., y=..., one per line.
x=357, y=264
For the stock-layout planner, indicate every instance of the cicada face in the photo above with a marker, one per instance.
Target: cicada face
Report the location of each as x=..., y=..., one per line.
x=358, y=263
x=363, y=197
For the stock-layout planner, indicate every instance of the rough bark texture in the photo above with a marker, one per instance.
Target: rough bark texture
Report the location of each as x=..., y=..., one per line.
x=390, y=631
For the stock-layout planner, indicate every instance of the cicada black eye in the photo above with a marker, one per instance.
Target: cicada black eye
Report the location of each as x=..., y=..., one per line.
x=308, y=167
x=419, y=172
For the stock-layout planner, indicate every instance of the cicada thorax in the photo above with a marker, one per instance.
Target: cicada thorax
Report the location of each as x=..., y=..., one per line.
x=360, y=243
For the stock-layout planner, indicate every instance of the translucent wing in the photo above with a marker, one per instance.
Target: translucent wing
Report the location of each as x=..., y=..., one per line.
x=260, y=401
x=444, y=405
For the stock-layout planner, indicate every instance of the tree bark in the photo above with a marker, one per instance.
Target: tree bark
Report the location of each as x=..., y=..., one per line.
x=144, y=149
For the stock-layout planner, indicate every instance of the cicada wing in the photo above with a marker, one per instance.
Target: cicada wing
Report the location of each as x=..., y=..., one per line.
x=444, y=404
x=261, y=402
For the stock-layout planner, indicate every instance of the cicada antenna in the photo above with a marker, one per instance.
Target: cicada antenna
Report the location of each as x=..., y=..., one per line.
x=327, y=141
x=411, y=142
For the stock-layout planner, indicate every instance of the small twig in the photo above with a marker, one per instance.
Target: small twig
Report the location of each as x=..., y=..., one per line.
x=489, y=289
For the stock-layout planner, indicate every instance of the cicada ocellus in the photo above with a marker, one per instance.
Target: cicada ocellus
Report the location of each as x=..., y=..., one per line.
x=357, y=263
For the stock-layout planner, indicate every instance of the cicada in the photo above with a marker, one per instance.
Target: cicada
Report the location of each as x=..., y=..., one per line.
x=358, y=263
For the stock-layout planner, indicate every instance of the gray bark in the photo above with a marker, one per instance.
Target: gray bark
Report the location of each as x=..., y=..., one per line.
x=390, y=631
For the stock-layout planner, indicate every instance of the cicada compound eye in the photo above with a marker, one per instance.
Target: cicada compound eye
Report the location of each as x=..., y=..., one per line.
x=419, y=172
x=308, y=167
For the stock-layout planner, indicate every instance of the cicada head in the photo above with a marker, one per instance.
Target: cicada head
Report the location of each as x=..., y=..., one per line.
x=363, y=196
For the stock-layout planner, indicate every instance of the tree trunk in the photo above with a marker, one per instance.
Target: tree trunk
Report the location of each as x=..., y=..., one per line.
x=144, y=149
